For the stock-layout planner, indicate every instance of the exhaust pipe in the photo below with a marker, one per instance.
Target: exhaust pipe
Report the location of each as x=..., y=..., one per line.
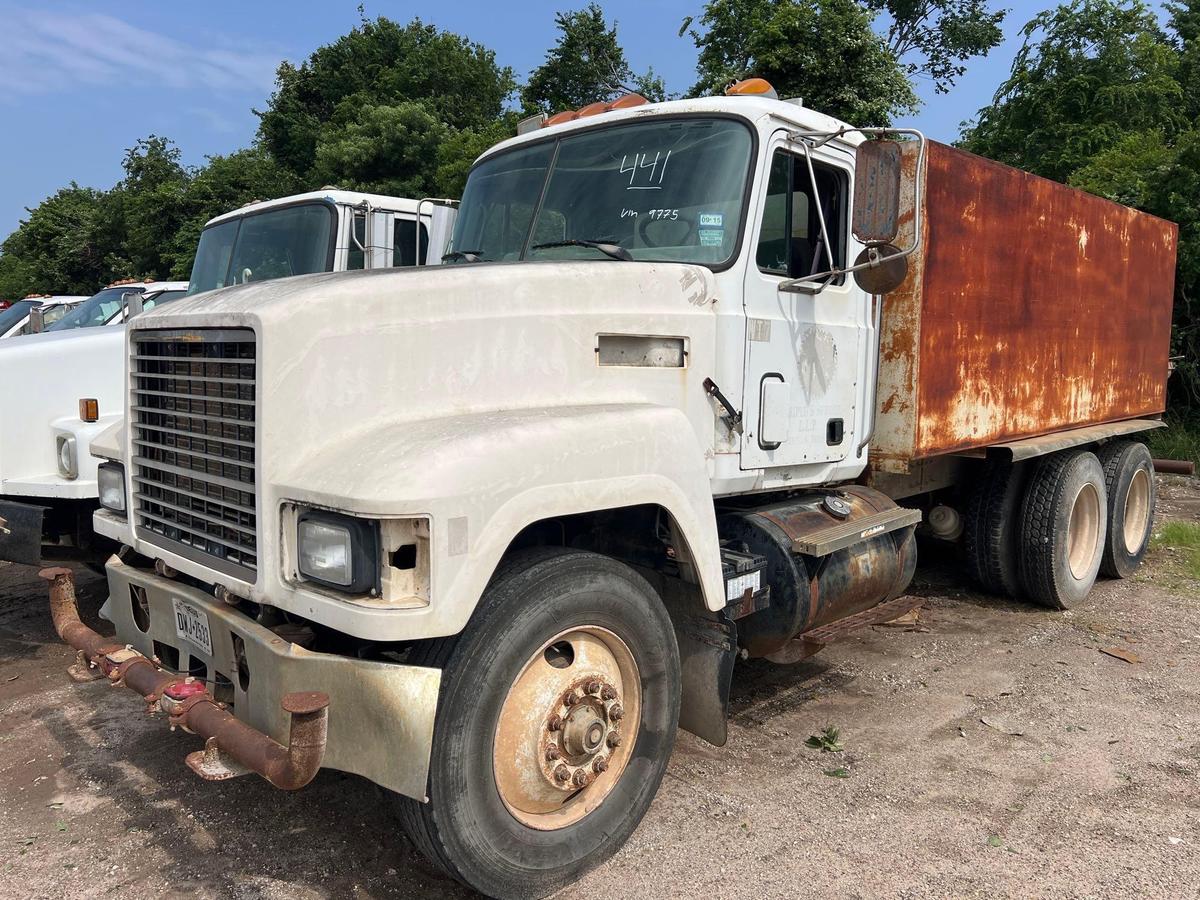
x=192, y=707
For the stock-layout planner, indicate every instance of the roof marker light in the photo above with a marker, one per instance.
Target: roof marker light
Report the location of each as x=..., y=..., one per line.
x=754, y=87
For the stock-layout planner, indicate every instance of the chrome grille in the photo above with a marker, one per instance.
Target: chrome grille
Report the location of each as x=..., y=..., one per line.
x=193, y=415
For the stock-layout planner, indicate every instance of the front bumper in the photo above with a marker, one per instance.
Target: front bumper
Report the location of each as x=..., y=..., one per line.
x=381, y=714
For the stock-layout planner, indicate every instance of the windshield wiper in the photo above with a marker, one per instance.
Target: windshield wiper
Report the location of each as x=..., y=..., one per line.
x=465, y=255
x=608, y=248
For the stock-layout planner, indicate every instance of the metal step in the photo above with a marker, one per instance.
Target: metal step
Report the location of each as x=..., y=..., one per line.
x=811, y=642
x=844, y=534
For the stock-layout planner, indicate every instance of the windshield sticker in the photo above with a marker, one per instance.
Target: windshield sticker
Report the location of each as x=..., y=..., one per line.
x=712, y=220
x=645, y=173
x=712, y=237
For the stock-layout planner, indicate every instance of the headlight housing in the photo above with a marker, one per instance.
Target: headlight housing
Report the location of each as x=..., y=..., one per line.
x=110, y=479
x=68, y=462
x=338, y=551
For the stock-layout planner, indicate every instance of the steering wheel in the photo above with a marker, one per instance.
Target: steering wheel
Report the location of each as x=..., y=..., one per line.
x=668, y=226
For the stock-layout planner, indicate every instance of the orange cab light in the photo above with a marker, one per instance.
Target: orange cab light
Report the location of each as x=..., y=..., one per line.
x=627, y=101
x=752, y=86
x=89, y=409
x=592, y=109
x=558, y=118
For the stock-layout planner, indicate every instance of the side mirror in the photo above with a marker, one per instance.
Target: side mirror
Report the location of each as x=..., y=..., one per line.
x=133, y=303
x=876, y=217
x=37, y=320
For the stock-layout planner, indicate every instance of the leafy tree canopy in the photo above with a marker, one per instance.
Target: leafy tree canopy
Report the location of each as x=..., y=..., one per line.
x=381, y=63
x=935, y=38
x=823, y=51
x=586, y=65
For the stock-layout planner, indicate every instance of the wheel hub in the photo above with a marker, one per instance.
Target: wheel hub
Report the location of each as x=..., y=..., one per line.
x=566, y=728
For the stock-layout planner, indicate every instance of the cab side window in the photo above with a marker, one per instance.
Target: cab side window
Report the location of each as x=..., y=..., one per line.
x=404, y=243
x=790, y=241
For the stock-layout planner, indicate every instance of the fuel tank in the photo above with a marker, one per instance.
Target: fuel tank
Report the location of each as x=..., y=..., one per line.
x=809, y=591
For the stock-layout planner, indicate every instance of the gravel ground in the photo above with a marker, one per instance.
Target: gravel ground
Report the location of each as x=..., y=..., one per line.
x=991, y=749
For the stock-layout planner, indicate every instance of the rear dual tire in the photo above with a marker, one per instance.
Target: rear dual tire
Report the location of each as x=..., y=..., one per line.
x=1063, y=528
x=1129, y=479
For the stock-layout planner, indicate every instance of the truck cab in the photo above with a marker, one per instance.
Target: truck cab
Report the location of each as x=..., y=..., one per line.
x=19, y=317
x=487, y=533
x=48, y=485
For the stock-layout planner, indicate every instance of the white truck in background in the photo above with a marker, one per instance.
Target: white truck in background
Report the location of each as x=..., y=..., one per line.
x=72, y=374
x=19, y=317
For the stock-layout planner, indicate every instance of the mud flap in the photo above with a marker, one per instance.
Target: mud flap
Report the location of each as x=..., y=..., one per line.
x=21, y=532
x=707, y=651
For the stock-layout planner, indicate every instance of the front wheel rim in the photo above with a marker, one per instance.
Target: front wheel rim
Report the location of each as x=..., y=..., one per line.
x=567, y=728
x=1137, y=512
x=1083, y=532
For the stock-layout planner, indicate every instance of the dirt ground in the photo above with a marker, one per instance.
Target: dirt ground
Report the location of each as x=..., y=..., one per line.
x=991, y=750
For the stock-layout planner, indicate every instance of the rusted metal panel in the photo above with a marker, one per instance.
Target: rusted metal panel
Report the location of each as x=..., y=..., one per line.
x=1034, y=308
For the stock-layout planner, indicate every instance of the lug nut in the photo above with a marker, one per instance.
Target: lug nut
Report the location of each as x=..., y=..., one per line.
x=607, y=693
x=600, y=766
x=592, y=687
x=614, y=739
x=562, y=774
x=616, y=713
x=553, y=753
x=572, y=697
x=554, y=722
x=580, y=778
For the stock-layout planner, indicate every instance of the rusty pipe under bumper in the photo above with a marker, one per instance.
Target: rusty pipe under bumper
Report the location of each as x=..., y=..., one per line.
x=288, y=768
x=1174, y=466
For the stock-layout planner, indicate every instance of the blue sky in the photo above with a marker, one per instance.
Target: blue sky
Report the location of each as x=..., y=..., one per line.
x=83, y=80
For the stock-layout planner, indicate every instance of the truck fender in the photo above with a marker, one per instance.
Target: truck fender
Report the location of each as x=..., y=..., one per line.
x=483, y=477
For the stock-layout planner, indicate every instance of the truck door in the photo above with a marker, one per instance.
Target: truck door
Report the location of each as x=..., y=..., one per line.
x=802, y=349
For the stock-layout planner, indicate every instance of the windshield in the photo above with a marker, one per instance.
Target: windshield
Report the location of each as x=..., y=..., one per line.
x=292, y=240
x=96, y=310
x=668, y=190
x=14, y=315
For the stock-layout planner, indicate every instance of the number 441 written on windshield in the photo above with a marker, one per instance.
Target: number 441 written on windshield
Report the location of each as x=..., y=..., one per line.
x=645, y=171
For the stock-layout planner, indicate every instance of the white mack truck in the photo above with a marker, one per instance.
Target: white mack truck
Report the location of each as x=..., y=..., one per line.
x=73, y=373
x=487, y=534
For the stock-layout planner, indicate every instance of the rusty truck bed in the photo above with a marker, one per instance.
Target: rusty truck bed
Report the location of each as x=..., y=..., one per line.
x=1030, y=308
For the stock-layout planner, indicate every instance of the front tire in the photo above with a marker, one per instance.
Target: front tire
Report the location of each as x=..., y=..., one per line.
x=1063, y=528
x=569, y=659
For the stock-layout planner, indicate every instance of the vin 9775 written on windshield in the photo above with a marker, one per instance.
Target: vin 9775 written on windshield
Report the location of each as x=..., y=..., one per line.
x=670, y=190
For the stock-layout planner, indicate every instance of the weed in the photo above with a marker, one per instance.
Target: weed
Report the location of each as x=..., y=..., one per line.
x=1179, y=440
x=828, y=741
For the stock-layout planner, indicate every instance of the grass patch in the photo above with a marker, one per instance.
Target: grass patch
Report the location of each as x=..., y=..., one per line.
x=1179, y=440
x=1181, y=540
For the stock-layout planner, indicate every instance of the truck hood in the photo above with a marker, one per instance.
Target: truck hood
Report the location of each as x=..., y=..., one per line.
x=46, y=375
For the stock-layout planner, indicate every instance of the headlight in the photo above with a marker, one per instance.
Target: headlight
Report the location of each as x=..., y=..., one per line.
x=338, y=551
x=110, y=478
x=67, y=466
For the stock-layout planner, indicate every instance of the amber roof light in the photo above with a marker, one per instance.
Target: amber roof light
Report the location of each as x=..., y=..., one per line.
x=753, y=87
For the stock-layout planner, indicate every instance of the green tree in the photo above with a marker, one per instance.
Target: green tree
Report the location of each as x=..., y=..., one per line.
x=586, y=65
x=387, y=149
x=150, y=204
x=66, y=245
x=823, y=51
x=1089, y=72
x=380, y=63
x=934, y=38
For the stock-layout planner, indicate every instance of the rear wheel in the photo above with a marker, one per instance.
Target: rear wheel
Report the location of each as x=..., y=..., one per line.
x=1063, y=528
x=557, y=715
x=989, y=540
x=1129, y=480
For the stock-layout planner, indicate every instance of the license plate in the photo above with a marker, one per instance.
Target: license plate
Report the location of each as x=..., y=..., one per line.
x=191, y=624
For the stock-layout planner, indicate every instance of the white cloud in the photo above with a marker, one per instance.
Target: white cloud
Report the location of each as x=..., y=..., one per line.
x=47, y=51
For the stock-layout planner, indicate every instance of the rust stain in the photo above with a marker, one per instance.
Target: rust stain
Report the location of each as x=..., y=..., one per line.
x=1039, y=307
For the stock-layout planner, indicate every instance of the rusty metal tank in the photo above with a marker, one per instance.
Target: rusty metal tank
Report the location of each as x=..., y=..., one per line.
x=1029, y=308
x=808, y=592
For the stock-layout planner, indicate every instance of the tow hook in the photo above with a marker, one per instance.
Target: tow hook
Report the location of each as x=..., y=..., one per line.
x=231, y=747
